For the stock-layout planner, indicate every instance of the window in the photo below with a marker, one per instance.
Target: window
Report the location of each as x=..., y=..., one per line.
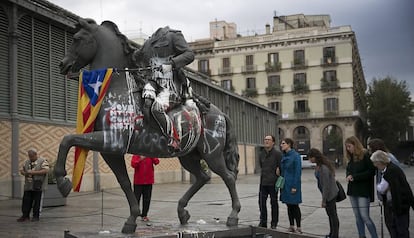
x=331, y=105
x=273, y=58
x=273, y=64
x=226, y=62
x=226, y=84
x=299, y=78
x=226, y=69
x=329, y=55
x=275, y=106
x=249, y=60
x=299, y=57
x=301, y=106
x=250, y=83
x=273, y=81
x=203, y=66
x=329, y=76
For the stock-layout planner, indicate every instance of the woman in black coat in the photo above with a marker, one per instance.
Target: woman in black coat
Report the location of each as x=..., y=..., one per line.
x=397, y=195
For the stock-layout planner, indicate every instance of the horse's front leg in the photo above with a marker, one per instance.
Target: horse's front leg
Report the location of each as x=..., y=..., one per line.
x=192, y=165
x=90, y=141
x=117, y=164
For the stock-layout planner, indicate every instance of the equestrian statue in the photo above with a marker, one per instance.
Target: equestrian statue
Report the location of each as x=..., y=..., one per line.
x=147, y=108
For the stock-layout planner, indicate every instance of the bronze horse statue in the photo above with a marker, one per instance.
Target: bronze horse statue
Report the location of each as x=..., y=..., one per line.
x=209, y=137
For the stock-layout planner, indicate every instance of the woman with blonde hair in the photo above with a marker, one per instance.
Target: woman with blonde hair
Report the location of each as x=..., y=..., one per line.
x=360, y=173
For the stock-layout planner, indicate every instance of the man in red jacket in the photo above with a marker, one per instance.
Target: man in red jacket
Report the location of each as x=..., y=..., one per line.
x=143, y=180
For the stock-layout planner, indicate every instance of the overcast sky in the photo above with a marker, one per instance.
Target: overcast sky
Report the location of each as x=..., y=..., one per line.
x=384, y=28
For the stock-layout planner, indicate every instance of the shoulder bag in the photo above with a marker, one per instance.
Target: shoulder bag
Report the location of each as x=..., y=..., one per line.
x=341, y=192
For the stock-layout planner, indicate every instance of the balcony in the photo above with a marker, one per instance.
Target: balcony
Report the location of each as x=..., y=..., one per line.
x=274, y=90
x=328, y=86
x=328, y=61
x=319, y=115
x=225, y=71
x=300, y=88
x=299, y=64
x=249, y=69
x=302, y=113
x=250, y=92
x=331, y=113
x=273, y=67
x=205, y=71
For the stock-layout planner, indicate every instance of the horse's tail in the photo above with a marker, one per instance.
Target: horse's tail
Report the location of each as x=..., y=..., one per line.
x=231, y=150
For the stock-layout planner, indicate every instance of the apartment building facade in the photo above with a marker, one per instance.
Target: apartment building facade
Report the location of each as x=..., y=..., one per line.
x=306, y=70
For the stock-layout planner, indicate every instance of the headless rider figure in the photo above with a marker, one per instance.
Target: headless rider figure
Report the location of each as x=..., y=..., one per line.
x=166, y=52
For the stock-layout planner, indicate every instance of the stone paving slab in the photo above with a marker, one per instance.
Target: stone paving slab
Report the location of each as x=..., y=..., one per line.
x=102, y=214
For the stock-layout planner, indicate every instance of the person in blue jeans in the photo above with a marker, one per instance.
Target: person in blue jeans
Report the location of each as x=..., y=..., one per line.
x=360, y=173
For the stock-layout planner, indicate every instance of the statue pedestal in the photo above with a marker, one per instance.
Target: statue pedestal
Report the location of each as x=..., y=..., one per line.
x=246, y=232
x=52, y=197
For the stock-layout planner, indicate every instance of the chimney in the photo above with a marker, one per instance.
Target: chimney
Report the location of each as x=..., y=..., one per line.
x=267, y=29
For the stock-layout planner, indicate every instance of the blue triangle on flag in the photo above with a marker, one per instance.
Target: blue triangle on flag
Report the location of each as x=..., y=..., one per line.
x=92, y=82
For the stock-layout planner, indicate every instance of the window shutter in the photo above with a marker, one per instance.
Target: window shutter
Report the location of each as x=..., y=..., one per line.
x=4, y=65
x=41, y=79
x=24, y=67
x=57, y=82
x=71, y=89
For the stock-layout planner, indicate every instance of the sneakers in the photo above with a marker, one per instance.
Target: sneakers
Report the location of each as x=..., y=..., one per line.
x=34, y=219
x=145, y=219
x=23, y=219
x=262, y=224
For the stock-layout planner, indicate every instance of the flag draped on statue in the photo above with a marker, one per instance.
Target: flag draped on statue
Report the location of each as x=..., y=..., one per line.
x=92, y=88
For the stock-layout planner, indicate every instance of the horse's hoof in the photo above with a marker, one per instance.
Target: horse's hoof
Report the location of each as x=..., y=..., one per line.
x=184, y=217
x=129, y=228
x=232, y=221
x=64, y=186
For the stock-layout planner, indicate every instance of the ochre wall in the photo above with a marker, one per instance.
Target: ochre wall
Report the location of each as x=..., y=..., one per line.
x=46, y=139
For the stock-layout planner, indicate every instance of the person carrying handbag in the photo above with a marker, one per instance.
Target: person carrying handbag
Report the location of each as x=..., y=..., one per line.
x=327, y=185
x=34, y=171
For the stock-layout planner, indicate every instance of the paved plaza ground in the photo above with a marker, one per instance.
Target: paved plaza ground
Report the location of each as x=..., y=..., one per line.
x=104, y=213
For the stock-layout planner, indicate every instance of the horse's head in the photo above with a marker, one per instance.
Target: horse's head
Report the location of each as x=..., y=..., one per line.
x=101, y=46
x=83, y=48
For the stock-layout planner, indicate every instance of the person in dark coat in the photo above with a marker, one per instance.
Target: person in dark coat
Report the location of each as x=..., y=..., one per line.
x=360, y=173
x=291, y=194
x=143, y=181
x=166, y=52
x=397, y=195
x=269, y=160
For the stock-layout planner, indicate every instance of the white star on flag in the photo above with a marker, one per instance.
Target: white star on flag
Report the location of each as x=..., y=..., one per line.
x=96, y=86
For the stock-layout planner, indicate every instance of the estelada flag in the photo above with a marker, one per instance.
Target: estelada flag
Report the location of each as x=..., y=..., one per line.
x=92, y=88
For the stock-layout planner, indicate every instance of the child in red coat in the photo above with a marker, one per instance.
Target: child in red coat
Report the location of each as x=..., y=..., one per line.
x=143, y=180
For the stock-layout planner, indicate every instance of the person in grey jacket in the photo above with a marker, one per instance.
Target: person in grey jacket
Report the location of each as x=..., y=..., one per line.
x=325, y=175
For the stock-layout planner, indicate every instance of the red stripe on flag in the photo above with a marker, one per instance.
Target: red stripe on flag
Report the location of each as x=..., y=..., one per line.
x=86, y=112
